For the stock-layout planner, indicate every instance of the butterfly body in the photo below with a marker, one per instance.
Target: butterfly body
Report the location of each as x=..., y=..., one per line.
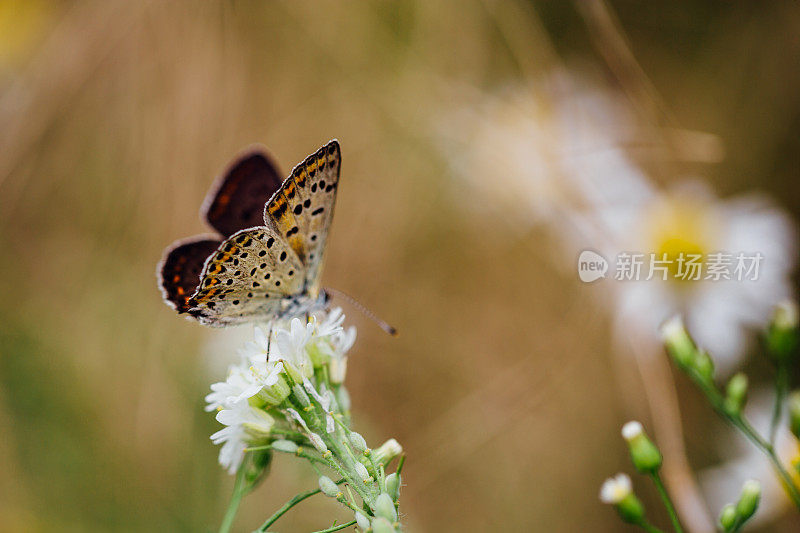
x=269, y=262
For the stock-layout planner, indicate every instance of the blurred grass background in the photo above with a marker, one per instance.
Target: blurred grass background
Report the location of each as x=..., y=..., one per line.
x=116, y=116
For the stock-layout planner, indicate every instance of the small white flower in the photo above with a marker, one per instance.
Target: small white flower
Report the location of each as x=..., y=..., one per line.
x=672, y=328
x=256, y=423
x=257, y=351
x=239, y=385
x=387, y=451
x=262, y=377
x=291, y=346
x=615, y=489
x=245, y=425
x=331, y=325
x=232, y=451
x=340, y=344
x=631, y=430
x=785, y=315
x=337, y=369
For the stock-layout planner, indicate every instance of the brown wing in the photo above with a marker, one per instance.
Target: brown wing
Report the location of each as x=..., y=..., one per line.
x=180, y=268
x=237, y=200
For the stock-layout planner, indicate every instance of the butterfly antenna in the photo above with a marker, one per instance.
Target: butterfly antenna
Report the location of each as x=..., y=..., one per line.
x=391, y=330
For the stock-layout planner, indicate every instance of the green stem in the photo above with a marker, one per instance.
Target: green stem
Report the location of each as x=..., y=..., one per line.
x=288, y=505
x=769, y=450
x=647, y=526
x=289, y=434
x=336, y=528
x=738, y=421
x=662, y=491
x=236, y=499
x=781, y=389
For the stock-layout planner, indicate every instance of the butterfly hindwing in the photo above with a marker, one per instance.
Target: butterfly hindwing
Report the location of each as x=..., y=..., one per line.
x=302, y=209
x=237, y=200
x=179, y=270
x=247, y=277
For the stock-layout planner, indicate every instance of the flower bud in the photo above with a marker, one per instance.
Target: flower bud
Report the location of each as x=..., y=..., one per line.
x=644, y=454
x=358, y=442
x=727, y=517
x=393, y=482
x=384, y=506
x=362, y=472
x=318, y=443
x=362, y=521
x=748, y=501
x=794, y=413
x=343, y=398
x=786, y=315
x=387, y=451
x=320, y=352
x=382, y=525
x=275, y=394
x=298, y=374
x=337, y=369
x=704, y=365
x=258, y=425
x=782, y=332
x=285, y=446
x=301, y=395
x=736, y=393
x=617, y=491
x=679, y=344
x=328, y=487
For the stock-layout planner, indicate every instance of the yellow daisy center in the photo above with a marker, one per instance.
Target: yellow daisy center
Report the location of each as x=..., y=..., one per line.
x=680, y=230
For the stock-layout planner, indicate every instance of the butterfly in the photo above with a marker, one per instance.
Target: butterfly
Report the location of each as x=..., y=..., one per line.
x=265, y=261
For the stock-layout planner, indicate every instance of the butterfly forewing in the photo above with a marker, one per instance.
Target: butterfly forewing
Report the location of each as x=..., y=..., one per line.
x=237, y=200
x=302, y=209
x=246, y=278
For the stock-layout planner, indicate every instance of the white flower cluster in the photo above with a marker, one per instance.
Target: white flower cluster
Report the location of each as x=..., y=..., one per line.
x=256, y=390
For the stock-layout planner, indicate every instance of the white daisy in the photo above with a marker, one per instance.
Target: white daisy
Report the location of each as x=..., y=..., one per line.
x=720, y=313
x=554, y=154
x=532, y=151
